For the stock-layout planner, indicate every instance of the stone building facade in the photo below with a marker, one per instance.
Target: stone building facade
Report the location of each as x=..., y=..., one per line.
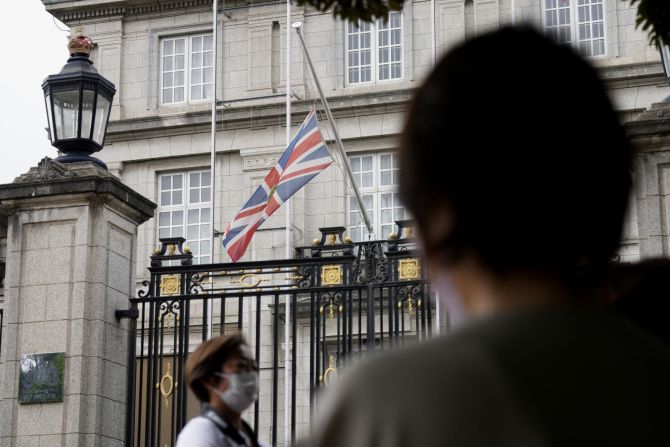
x=160, y=56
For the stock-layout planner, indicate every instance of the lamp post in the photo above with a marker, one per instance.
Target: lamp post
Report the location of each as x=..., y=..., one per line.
x=78, y=102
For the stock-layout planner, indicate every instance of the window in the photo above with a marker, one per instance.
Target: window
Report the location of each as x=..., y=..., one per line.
x=184, y=210
x=374, y=51
x=577, y=22
x=187, y=69
x=377, y=178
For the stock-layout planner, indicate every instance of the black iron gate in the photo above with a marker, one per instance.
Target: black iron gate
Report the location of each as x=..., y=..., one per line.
x=346, y=299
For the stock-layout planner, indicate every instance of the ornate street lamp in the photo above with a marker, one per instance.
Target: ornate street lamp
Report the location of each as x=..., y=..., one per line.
x=78, y=101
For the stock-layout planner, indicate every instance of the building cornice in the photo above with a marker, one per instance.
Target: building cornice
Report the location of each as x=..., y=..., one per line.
x=344, y=106
x=259, y=116
x=78, y=10
x=651, y=130
x=633, y=75
x=82, y=10
x=51, y=179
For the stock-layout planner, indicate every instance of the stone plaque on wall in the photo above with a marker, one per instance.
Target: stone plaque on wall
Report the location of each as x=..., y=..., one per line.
x=41, y=378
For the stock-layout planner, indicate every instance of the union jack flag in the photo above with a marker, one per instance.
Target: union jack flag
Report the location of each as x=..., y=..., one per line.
x=305, y=157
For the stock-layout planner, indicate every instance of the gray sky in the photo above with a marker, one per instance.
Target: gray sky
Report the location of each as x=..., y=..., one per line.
x=34, y=48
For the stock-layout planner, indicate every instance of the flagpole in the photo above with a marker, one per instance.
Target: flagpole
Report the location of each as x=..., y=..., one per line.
x=433, y=43
x=438, y=320
x=338, y=141
x=433, y=40
x=212, y=163
x=287, y=231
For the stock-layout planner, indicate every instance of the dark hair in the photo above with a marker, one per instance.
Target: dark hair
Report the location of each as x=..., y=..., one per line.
x=207, y=359
x=640, y=292
x=517, y=137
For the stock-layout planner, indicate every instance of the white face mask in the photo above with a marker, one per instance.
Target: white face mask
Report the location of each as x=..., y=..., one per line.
x=242, y=390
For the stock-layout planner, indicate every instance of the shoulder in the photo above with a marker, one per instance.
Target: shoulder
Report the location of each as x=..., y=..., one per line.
x=199, y=431
x=392, y=389
x=490, y=373
x=462, y=354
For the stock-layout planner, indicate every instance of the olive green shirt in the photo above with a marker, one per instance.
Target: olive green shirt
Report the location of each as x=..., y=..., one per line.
x=535, y=378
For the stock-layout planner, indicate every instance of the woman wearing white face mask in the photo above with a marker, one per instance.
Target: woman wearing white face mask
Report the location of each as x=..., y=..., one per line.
x=222, y=373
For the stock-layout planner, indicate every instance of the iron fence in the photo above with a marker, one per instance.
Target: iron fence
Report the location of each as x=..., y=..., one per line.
x=346, y=300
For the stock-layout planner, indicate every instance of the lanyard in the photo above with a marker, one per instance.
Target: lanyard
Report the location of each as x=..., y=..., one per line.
x=230, y=431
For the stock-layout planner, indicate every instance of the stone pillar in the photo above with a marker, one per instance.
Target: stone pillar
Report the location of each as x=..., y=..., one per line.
x=71, y=243
x=650, y=134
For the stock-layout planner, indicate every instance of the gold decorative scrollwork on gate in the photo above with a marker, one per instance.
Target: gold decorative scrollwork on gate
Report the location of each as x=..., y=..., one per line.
x=170, y=285
x=330, y=312
x=409, y=269
x=331, y=275
x=249, y=281
x=410, y=304
x=166, y=385
x=325, y=379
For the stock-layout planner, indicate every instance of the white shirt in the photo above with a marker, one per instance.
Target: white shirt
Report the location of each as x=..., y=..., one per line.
x=203, y=432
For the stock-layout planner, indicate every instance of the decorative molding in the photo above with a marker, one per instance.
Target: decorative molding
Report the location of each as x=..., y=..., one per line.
x=409, y=269
x=331, y=275
x=69, y=13
x=89, y=14
x=170, y=284
x=159, y=7
x=46, y=169
x=270, y=114
x=653, y=123
x=51, y=178
x=260, y=162
x=66, y=11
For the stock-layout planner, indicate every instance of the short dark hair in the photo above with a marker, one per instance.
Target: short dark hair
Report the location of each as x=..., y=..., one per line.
x=207, y=359
x=518, y=137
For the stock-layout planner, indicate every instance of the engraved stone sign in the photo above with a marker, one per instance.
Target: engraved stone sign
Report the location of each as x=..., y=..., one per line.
x=41, y=378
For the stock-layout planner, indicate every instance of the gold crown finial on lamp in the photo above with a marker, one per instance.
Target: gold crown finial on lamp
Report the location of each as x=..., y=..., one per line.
x=80, y=44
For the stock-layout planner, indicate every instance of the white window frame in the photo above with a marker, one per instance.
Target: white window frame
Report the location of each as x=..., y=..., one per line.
x=575, y=24
x=376, y=191
x=375, y=52
x=185, y=206
x=188, y=56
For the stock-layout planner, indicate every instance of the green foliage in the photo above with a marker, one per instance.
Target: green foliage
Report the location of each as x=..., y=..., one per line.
x=653, y=16
x=366, y=10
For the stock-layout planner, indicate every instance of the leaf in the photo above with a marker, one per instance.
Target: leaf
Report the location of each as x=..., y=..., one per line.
x=365, y=10
x=653, y=16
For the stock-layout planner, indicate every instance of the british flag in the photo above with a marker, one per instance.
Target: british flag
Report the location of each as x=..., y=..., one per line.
x=305, y=157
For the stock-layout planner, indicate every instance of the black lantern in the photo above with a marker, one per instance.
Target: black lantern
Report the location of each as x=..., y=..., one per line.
x=78, y=101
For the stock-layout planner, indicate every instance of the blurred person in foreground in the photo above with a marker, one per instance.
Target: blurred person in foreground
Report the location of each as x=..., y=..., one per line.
x=222, y=374
x=517, y=171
